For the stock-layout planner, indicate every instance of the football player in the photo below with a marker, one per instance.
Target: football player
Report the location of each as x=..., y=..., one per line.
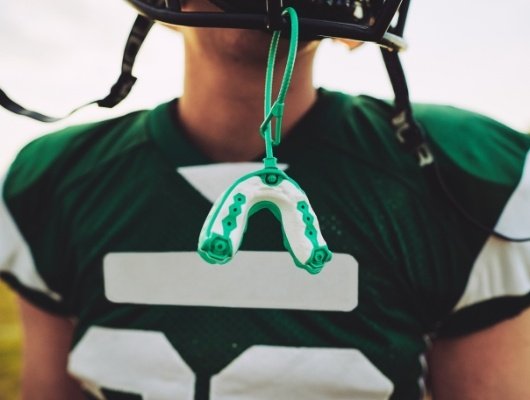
x=426, y=208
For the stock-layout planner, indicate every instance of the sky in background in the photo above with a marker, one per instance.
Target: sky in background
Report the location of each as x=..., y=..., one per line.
x=57, y=54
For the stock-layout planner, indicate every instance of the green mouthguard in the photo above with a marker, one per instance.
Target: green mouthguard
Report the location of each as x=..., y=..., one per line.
x=268, y=188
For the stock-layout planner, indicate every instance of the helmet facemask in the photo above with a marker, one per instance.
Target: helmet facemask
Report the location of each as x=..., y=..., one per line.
x=362, y=20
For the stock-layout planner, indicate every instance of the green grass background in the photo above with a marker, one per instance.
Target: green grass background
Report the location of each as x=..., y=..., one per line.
x=10, y=345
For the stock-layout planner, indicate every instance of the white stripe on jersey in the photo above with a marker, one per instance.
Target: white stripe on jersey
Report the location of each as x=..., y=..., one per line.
x=250, y=280
x=503, y=268
x=515, y=218
x=15, y=256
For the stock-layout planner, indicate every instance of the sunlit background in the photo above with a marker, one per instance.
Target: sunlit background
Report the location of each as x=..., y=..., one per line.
x=58, y=54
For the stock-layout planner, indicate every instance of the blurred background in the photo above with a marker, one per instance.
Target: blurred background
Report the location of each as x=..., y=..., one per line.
x=58, y=54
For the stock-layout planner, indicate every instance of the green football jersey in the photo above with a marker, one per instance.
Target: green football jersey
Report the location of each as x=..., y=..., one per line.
x=100, y=223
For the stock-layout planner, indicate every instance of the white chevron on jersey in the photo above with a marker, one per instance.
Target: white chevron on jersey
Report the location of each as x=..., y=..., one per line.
x=213, y=179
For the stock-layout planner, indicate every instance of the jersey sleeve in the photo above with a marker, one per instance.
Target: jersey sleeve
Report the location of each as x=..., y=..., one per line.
x=34, y=253
x=39, y=255
x=486, y=168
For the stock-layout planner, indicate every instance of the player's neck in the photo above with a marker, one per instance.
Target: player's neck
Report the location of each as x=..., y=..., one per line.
x=222, y=105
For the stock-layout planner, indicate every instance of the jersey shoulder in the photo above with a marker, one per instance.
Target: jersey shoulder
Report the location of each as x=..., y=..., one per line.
x=73, y=151
x=35, y=254
x=471, y=140
x=482, y=161
x=483, y=169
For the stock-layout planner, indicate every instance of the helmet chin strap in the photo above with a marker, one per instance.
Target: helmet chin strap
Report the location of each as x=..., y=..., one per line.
x=408, y=132
x=268, y=188
x=119, y=90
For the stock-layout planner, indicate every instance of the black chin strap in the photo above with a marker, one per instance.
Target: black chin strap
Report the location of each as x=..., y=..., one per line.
x=408, y=132
x=119, y=90
x=413, y=139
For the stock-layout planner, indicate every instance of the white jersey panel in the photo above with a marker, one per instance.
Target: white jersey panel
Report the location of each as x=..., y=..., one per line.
x=502, y=267
x=145, y=363
x=15, y=255
x=515, y=218
x=270, y=281
x=290, y=373
x=125, y=360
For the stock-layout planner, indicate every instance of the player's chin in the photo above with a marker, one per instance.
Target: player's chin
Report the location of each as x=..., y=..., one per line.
x=242, y=45
x=254, y=45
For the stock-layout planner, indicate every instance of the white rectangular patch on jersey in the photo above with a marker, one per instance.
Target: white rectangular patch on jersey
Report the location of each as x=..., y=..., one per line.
x=250, y=280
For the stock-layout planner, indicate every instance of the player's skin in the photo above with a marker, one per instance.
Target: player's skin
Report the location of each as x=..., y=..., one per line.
x=221, y=109
x=224, y=74
x=46, y=344
x=490, y=364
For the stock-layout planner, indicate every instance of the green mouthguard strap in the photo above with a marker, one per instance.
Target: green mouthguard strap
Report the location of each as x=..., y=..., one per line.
x=268, y=188
x=277, y=108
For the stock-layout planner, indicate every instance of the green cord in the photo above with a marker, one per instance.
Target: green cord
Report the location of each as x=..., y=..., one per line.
x=276, y=110
x=268, y=188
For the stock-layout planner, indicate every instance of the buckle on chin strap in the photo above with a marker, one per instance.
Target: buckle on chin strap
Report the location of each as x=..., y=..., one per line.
x=412, y=137
x=274, y=15
x=173, y=5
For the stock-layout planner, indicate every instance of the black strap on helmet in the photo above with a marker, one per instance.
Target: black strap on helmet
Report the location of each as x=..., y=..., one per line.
x=408, y=132
x=119, y=90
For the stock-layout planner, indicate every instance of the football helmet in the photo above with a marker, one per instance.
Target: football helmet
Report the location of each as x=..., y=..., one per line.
x=363, y=20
